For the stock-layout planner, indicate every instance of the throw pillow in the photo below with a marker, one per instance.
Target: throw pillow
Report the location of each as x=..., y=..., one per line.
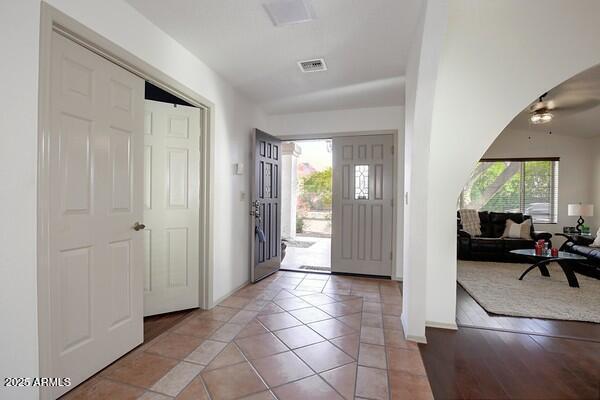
x=470, y=221
x=517, y=231
x=597, y=240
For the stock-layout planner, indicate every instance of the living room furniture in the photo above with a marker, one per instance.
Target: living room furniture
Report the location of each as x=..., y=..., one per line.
x=491, y=246
x=540, y=261
x=581, y=210
x=580, y=245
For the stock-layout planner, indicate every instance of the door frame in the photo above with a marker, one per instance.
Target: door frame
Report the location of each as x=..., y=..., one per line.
x=396, y=251
x=54, y=20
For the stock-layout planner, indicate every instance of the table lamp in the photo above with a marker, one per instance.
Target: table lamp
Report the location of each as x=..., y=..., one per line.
x=581, y=210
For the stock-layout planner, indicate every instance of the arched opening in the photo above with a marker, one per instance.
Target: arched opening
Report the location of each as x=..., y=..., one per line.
x=526, y=260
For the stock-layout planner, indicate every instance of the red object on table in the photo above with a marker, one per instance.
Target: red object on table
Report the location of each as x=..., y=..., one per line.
x=538, y=249
x=554, y=252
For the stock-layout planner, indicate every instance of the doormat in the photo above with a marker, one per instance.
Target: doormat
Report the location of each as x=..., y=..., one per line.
x=315, y=268
x=299, y=243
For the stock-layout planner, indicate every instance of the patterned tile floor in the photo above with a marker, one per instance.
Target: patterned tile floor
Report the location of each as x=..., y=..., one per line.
x=290, y=336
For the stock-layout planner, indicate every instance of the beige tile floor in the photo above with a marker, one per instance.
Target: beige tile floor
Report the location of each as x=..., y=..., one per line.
x=290, y=336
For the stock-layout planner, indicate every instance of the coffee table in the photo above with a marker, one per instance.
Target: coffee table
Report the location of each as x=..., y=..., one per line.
x=564, y=259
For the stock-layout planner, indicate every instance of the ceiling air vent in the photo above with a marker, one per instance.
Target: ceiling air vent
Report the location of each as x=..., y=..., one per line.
x=316, y=65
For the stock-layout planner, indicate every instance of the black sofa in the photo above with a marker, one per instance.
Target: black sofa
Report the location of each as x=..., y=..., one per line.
x=580, y=245
x=490, y=246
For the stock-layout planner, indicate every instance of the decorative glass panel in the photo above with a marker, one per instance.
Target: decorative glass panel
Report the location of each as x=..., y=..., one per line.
x=361, y=182
x=268, y=181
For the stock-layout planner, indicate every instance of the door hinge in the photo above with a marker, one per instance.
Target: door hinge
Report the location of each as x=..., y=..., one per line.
x=392, y=202
x=392, y=150
x=391, y=255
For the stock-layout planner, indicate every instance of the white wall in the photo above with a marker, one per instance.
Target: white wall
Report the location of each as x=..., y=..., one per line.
x=595, y=187
x=421, y=77
x=347, y=121
x=327, y=122
x=19, y=22
x=575, y=177
x=492, y=67
x=118, y=22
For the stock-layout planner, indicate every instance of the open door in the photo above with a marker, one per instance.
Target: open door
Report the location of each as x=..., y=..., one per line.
x=363, y=192
x=95, y=237
x=171, y=207
x=265, y=207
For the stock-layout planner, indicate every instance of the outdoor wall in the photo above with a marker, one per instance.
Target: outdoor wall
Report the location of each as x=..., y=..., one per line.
x=493, y=64
x=234, y=119
x=575, y=178
x=346, y=121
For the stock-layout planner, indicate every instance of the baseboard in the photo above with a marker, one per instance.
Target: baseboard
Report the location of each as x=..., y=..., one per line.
x=219, y=300
x=441, y=325
x=413, y=338
x=418, y=339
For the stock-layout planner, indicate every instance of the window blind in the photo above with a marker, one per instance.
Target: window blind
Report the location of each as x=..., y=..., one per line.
x=529, y=186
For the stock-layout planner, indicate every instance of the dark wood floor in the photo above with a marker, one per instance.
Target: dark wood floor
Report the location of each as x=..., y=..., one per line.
x=497, y=357
x=157, y=324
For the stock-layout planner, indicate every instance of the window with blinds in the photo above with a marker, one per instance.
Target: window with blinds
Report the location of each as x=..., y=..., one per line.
x=529, y=186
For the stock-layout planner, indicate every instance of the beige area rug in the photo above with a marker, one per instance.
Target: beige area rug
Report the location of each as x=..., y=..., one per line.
x=497, y=288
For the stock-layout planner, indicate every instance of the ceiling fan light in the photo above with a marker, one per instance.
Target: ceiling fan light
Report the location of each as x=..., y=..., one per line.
x=541, y=117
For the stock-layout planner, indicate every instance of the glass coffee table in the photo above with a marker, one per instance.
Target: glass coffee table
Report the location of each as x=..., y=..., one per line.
x=564, y=259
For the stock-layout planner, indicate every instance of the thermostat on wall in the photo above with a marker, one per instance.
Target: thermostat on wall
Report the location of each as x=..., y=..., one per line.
x=239, y=169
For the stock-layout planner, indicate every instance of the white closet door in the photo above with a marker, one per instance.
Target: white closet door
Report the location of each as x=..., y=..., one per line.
x=96, y=169
x=363, y=191
x=171, y=207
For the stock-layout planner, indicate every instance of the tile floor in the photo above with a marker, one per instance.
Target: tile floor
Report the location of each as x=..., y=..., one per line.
x=290, y=336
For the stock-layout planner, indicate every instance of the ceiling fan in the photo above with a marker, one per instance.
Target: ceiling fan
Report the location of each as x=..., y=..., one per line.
x=540, y=112
x=568, y=98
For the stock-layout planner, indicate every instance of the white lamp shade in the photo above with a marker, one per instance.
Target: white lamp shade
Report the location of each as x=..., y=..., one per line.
x=581, y=210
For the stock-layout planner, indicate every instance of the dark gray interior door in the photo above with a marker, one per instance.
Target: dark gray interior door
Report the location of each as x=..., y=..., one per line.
x=266, y=206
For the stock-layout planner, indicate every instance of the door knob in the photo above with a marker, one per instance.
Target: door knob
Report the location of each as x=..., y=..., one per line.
x=138, y=227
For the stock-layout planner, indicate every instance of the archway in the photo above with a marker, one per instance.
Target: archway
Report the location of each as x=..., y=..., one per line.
x=491, y=65
x=531, y=179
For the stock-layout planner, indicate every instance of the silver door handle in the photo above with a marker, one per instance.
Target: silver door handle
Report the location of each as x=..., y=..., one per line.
x=138, y=227
x=255, y=209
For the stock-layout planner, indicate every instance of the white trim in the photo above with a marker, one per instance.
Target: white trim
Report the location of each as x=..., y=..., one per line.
x=315, y=136
x=232, y=291
x=52, y=19
x=414, y=338
x=418, y=339
x=441, y=325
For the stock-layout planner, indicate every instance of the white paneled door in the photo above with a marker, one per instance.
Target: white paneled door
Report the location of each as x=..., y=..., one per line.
x=171, y=207
x=363, y=192
x=96, y=257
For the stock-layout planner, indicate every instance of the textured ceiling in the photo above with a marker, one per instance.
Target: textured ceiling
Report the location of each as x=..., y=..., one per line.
x=365, y=44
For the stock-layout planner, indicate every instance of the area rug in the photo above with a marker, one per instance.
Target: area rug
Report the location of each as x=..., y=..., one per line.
x=497, y=288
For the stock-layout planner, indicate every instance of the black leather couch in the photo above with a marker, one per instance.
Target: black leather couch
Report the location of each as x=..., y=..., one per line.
x=580, y=245
x=490, y=246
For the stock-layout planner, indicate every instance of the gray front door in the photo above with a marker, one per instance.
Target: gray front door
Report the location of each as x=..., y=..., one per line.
x=266, y=206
